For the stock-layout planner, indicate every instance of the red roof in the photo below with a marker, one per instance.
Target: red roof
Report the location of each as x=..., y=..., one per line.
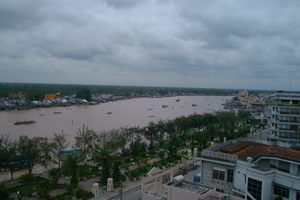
x=254, y=150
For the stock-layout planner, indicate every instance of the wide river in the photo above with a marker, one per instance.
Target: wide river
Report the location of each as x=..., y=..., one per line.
x=132, y=112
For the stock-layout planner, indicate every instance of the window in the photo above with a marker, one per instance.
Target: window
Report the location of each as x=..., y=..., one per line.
x=218, y=174
x=281, y=191
x=254, y=188
x=219, y=190
x=230, y=175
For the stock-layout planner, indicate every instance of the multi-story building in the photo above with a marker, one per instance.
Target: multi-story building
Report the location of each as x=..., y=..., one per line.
x=252, y=169
x=284, y=122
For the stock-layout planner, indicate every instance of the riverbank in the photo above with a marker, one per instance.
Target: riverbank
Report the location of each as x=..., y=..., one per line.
x=124, y=113
x=7, y=104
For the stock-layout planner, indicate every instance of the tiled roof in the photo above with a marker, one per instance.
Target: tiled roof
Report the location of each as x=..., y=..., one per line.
x=254, y=150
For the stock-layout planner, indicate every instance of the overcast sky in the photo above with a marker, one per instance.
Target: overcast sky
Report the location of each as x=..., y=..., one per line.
x=186, y=43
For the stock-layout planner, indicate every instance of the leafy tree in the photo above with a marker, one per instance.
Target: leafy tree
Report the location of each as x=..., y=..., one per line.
x=151, y=133
x=46, y=148
x=44, y=190
x=4, y=192
x=103, y=158
x=59, y=144
x=84, y=93
x=9, y=159
x=174, y=143
x=85, y=139
x=35, y=95
x=71, y=166
x=243, y=115
x=116, y=174
x=32, y=152
x=137, y=147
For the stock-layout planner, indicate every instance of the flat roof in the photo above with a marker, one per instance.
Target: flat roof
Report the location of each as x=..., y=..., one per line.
x=193, y=187
x=251, y=149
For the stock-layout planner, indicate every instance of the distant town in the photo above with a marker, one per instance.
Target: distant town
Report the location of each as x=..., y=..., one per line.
x=28, y=96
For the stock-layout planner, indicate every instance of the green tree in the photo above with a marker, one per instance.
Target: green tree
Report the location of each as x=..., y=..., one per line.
x=85, y=139
x=102, y=157
x=71, y=167
x=151, y=133
x=243, y=115
x=32, y=151
x=59, y=144
x=35, y=95
x=4, y=192
x=174, y=143
x=116, y=174
x=84, y=93
x=9, y=159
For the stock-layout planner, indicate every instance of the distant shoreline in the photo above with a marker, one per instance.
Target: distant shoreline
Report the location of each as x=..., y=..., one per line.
x=92, y=103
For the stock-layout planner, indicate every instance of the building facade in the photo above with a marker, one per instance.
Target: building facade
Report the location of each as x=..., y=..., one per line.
x=284, y=122
x=252, y=170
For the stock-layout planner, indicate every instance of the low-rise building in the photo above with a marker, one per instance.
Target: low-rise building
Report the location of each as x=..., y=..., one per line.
x=160, y=185
x=252, y=169
x=50, y=96
x=243, y=93
x=17, y=95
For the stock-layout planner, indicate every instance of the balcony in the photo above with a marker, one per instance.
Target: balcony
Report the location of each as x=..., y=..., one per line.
x=288, y=105
x=290, y=121
x=285, y=113
x=288, y=129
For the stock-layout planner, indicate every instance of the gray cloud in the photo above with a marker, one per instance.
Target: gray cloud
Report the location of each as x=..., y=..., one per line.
x=231, y=44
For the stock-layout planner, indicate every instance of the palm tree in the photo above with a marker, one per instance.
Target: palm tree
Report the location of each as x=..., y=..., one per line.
x=102, y=157
x=59, y=144
x=71, y=166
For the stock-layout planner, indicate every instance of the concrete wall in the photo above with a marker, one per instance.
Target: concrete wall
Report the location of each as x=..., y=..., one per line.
x=207, y=176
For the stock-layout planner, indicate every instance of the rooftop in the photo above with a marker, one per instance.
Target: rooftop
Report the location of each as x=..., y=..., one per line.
x=251, y=149
x=193, y=187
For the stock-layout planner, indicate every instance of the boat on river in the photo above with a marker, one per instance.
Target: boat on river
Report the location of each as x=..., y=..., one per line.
x=24, y=122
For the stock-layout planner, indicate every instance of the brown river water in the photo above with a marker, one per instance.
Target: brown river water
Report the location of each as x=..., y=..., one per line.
x=132, y=112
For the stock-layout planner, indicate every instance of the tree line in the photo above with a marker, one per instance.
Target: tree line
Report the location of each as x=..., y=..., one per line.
x=110, y=150
x=36, y=91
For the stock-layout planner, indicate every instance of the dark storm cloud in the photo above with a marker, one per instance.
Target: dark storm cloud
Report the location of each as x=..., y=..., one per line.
x=233, y=44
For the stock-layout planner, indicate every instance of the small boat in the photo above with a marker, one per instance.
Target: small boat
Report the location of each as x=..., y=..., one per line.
x=57, y=113
x=177, y=100
x=109, y=113
x=24, y=122
x=194, y=105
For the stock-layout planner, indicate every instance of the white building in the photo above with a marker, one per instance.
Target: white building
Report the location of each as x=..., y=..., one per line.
x=158, y=185
x=284, y=122
x=243, y=93
x=252, y=169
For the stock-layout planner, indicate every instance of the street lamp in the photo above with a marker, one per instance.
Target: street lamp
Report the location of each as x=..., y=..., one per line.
x=19, y=197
